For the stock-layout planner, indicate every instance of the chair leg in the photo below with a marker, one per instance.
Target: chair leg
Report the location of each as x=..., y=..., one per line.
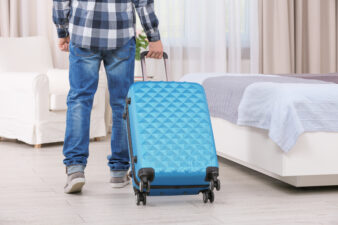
x=37, y=146
x=97, y=139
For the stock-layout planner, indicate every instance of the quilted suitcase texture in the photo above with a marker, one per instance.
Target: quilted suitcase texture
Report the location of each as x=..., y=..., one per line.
x=171, y=142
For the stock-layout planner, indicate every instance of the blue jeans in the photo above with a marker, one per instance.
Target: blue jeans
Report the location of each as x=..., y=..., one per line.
x=83, y=77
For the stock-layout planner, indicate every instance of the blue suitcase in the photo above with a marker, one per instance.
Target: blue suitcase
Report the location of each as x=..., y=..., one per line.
x=171, y=143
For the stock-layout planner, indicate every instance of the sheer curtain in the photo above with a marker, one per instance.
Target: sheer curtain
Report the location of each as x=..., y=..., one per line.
x=22, y=18
x=210, y=36
x=199, y=35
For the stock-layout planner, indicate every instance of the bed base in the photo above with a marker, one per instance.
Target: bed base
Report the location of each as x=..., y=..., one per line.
x=296, y=181
x=312, y=162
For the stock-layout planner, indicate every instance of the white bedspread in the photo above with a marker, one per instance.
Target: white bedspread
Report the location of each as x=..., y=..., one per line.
x=288, y=110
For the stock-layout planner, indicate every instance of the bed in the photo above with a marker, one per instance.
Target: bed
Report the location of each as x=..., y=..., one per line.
x=311, y=161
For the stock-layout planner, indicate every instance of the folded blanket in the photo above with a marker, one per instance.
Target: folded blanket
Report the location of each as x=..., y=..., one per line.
x=289, y=110
x=226, y=93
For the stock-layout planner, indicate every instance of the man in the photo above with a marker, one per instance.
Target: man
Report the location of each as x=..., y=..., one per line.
x=94, y=31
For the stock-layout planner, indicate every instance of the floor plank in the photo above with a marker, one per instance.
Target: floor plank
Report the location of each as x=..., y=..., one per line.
x=31, y=192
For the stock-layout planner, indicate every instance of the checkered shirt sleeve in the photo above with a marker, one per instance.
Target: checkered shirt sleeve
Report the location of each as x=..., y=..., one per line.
x=149, y=21
x=61, y=11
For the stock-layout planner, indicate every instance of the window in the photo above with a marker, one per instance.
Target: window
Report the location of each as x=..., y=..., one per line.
x=178, y=19
x=244, y=21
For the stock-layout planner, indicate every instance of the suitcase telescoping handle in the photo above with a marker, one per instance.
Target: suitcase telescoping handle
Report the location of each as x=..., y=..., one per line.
x=144, y=68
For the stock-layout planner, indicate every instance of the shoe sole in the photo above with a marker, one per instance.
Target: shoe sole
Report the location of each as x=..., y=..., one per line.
x=75, y=186
x=119, y=185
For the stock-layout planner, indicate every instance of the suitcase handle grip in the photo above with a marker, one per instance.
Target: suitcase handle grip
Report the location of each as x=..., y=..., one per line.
x=144, y=68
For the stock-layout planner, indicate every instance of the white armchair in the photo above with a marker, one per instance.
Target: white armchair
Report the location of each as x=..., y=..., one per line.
x=33, y=94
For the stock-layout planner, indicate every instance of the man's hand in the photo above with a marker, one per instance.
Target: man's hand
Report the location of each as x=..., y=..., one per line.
x=155, y=50
x=64, y=44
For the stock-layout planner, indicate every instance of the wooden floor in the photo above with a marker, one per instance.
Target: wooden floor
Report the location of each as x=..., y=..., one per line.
x=31, y=192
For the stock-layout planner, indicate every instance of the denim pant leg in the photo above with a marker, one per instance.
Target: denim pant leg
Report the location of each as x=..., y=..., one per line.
x=119, y=65
x=83, y=77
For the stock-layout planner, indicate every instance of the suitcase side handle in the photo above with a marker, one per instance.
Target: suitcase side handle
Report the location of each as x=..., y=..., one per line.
x=144, y=68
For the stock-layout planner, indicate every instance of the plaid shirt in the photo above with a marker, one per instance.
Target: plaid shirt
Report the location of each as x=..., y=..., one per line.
x=103, y=24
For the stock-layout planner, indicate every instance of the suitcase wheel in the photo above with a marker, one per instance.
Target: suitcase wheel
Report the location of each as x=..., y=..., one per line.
x=141, y=186
x=218, y=185
x=211, y=196
x=144, y=186
x=144, y=198
x=141, y=197
x=215, y=184
x=208, y=195
x=205, y=197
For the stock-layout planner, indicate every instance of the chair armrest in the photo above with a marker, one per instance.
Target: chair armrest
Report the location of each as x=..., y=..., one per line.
x=24, y=96
x=59, y=80
x=21, y=81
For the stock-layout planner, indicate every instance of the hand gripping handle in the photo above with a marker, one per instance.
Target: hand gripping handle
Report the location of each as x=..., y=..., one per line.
x=144, y=68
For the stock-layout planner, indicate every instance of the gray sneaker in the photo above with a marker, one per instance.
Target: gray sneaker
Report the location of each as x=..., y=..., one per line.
x=75, y=183
x=119, y=182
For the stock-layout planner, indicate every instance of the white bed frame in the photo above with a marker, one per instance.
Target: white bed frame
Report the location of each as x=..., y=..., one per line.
x=312, y=162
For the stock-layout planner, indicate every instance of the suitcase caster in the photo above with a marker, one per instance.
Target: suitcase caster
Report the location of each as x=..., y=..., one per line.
x=208, y=195
x=211, y=196
x=215, y=184
x=218, y=185
x=205, y=197
x=141, y=197
x=144, y=186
